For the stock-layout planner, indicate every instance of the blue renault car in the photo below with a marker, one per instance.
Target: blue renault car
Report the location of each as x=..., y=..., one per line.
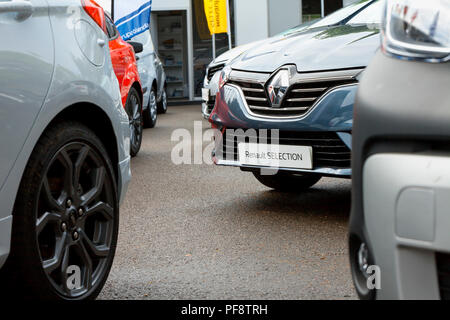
x=288, y=103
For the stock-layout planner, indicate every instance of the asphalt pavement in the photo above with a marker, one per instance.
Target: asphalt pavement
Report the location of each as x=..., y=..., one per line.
x=206, y=232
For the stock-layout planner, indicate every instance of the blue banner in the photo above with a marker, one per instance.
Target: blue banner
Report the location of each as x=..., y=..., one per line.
x=132, y=17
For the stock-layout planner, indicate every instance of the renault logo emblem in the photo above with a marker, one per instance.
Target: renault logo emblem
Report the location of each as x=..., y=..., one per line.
x=277, y=87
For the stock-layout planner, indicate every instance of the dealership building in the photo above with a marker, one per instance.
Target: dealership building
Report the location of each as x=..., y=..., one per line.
x=182, y=39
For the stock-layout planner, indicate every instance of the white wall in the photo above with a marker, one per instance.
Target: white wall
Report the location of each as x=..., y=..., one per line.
x=169, y=4
x=153, y=28
x=251, y=20
x=106, y=4
x=283, y=15
x=347, y=2
x=156, y=4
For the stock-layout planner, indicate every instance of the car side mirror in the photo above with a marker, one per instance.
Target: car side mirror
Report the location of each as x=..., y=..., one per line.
x=137, y=46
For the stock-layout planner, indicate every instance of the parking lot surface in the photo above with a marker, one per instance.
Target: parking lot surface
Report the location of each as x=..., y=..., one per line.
x=206, y=232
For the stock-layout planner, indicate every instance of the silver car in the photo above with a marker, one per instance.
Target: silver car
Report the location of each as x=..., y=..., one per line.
x=399, y=226
x=64, y=150
x=153, y=80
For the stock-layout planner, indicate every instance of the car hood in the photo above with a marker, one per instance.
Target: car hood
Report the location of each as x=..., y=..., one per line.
x=315, y=49
x=235, y=52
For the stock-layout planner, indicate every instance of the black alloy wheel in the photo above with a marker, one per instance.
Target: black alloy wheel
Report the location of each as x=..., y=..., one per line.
x=133, y=108
x=151, y=113
x=65, y=218
x=162, y=105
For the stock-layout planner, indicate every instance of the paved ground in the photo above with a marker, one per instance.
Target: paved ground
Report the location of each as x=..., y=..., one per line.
x=205, y=232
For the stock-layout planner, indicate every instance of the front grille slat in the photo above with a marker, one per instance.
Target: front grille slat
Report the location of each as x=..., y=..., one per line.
x=309, y=90
x=298, y=100
x=302, y=99
x=328, y=150
x=277, y=109
x=253, y=90
x=256, y=99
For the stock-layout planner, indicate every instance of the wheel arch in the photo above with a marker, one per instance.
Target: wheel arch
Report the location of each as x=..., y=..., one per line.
x=98, y=121
x=136, y=85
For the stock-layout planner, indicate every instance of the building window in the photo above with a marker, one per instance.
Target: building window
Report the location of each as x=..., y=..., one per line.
x=311, y=9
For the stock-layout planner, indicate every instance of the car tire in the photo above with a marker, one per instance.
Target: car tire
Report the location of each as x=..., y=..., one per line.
x=151, y=113
x=360, y=259
x=69, y=170
x=133, y=107
x=285, y=182
x=162, y=105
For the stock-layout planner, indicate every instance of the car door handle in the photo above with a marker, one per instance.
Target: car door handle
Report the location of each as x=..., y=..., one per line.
x=24, y=9
x=101, y=42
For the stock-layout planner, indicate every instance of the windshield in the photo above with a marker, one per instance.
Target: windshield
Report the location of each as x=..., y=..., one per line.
x=298, y=28
x=338, y=16
x=371, y=15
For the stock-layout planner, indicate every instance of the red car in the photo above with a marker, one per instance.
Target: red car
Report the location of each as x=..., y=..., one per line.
x=125, y=67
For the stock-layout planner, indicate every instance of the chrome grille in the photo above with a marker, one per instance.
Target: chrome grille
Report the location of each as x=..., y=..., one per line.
x=299, y=99
x=254, y=93
x=213, y=70
x=302, y=96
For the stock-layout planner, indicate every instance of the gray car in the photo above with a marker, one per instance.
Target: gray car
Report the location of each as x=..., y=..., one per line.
x=64, y=150
x=399, y=238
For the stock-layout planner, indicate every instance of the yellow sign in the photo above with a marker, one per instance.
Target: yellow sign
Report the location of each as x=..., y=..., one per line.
x=216, y=15
x=200, y=18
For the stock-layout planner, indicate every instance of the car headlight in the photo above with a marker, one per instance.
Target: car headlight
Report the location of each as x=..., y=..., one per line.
x=224, y=76
x=417, y=29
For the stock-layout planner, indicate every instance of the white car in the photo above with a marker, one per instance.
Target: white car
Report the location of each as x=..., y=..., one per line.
x=211, y=81
x=153, y=80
